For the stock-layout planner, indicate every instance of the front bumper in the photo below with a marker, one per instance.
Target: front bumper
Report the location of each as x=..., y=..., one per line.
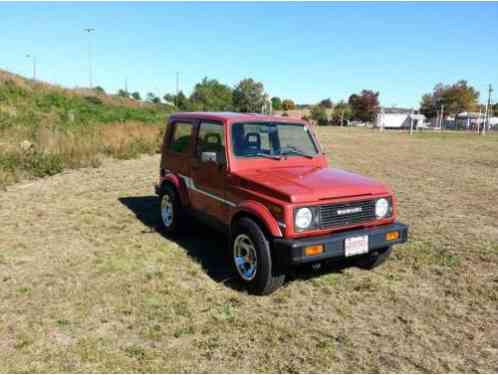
x=292, y=251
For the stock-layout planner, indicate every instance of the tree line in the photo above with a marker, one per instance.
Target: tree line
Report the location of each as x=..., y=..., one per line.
x=211, y=95
x=450, y=100
x=249, y=96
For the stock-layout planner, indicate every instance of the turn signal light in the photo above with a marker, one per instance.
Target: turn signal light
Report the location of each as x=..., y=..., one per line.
x=313, y=250
x=391, y=236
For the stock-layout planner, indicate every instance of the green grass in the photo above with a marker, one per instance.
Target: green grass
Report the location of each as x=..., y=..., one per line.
x=32, y=105
x=70, y=128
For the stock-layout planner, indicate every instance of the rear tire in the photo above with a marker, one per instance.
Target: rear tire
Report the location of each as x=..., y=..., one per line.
x=170, y=210
x=374, y=259
x=252, y=258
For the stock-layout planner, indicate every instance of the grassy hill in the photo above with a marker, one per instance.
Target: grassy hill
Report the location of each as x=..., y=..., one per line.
x=45, y=128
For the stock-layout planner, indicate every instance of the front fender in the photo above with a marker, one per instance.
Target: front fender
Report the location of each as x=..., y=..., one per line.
x=262, y=213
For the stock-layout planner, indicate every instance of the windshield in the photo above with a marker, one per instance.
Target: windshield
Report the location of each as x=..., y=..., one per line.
x=272, y=140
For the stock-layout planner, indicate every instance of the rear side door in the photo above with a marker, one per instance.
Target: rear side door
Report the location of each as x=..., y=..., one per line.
x=209, y=170
x=179, y=148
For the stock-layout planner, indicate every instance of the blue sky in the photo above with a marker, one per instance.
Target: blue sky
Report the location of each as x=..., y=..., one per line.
x=304, y=51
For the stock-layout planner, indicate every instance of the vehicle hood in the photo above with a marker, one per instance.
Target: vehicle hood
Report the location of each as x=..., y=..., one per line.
x=308, y=184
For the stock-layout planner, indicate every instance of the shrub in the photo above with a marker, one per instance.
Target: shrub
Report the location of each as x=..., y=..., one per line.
x=40, y=164
x=93, y=100
x=319, y=115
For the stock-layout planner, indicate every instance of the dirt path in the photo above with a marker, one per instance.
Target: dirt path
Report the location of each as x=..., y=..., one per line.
x=87, y=284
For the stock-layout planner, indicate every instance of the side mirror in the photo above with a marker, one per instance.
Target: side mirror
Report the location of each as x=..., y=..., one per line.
x=209, y=156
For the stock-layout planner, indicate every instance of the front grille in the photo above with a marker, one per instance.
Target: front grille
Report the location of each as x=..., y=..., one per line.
x=329, y=216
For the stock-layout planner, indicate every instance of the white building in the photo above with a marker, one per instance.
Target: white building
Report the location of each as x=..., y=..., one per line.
x=470, y=120
x=399, y=120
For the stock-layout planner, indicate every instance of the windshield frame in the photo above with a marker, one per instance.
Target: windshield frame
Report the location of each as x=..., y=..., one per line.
x=276, y=123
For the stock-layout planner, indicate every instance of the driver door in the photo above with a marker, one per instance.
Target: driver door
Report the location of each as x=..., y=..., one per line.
x=209, y=171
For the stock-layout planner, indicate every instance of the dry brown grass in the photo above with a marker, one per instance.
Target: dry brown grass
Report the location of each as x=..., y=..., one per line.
x=74, y=148
x=88, y=284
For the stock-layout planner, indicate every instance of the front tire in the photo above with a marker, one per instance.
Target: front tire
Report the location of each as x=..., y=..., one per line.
x=374, y=259
x=252, y=258
x=170, y=209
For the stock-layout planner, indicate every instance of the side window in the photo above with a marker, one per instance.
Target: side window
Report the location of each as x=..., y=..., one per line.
x=211, y=138
x=181, y=139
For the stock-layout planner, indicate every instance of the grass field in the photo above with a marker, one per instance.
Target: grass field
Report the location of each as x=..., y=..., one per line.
x=88, y=284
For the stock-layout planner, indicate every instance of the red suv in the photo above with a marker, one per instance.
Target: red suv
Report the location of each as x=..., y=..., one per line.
x=264, y=181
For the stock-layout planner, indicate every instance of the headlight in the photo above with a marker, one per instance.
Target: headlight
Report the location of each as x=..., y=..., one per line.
x=303, y=218
x=381, y=208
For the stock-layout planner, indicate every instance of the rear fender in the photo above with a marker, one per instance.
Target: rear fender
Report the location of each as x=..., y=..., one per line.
x=179, y=185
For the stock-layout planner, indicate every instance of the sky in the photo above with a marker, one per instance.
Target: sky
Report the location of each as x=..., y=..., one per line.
x=303, y=51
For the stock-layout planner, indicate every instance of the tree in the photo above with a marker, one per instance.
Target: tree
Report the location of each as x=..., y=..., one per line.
x=319, y=115
x=276, y=103
x=152, y=98
x=99, y=89
x=495, y=110
x=248, y=96
x=288, y=105
x=456, y=98
x=342, y=112
x=182, y=102
x=123, y=93
x=364, y=106
x=326, y=103
x=169, y=98
x=211, y=95
x=429, y=106
x=136, y=95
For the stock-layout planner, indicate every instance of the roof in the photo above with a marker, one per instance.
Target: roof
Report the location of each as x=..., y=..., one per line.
x=234, y=117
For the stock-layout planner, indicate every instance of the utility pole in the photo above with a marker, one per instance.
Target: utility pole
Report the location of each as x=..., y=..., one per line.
x=177, y=88
x=411, y=122
x=126, y=85
x=441, y=117
x=34, y=65
x=479, y=120
x=89, y=30
x=382, y=119
x=488, y=109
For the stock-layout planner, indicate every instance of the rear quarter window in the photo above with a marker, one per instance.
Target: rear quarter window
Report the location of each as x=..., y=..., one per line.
x=181, y=139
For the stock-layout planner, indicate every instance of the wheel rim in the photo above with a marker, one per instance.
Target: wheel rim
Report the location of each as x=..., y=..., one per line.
x=167, y=210
x=245, y=257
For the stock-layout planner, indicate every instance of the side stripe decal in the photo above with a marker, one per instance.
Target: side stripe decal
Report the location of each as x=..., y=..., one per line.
x=191, y=185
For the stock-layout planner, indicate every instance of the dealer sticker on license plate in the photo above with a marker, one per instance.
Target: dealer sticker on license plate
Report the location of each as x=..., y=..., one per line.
x=356, y=245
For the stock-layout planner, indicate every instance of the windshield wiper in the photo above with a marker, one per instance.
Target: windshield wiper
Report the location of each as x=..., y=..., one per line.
x=292, y=149
x=274, y=157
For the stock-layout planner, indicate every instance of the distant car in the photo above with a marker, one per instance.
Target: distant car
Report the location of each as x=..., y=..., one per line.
x=264, y=182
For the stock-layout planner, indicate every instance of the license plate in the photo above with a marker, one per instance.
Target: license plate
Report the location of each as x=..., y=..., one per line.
x=356, y=245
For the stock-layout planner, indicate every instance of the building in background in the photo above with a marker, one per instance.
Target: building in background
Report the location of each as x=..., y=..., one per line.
x=400, y=118
x=470, y=121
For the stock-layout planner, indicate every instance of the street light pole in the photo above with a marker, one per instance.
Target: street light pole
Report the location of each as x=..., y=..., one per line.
x=89, y=30
x=34, y=65
x=177, y=88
